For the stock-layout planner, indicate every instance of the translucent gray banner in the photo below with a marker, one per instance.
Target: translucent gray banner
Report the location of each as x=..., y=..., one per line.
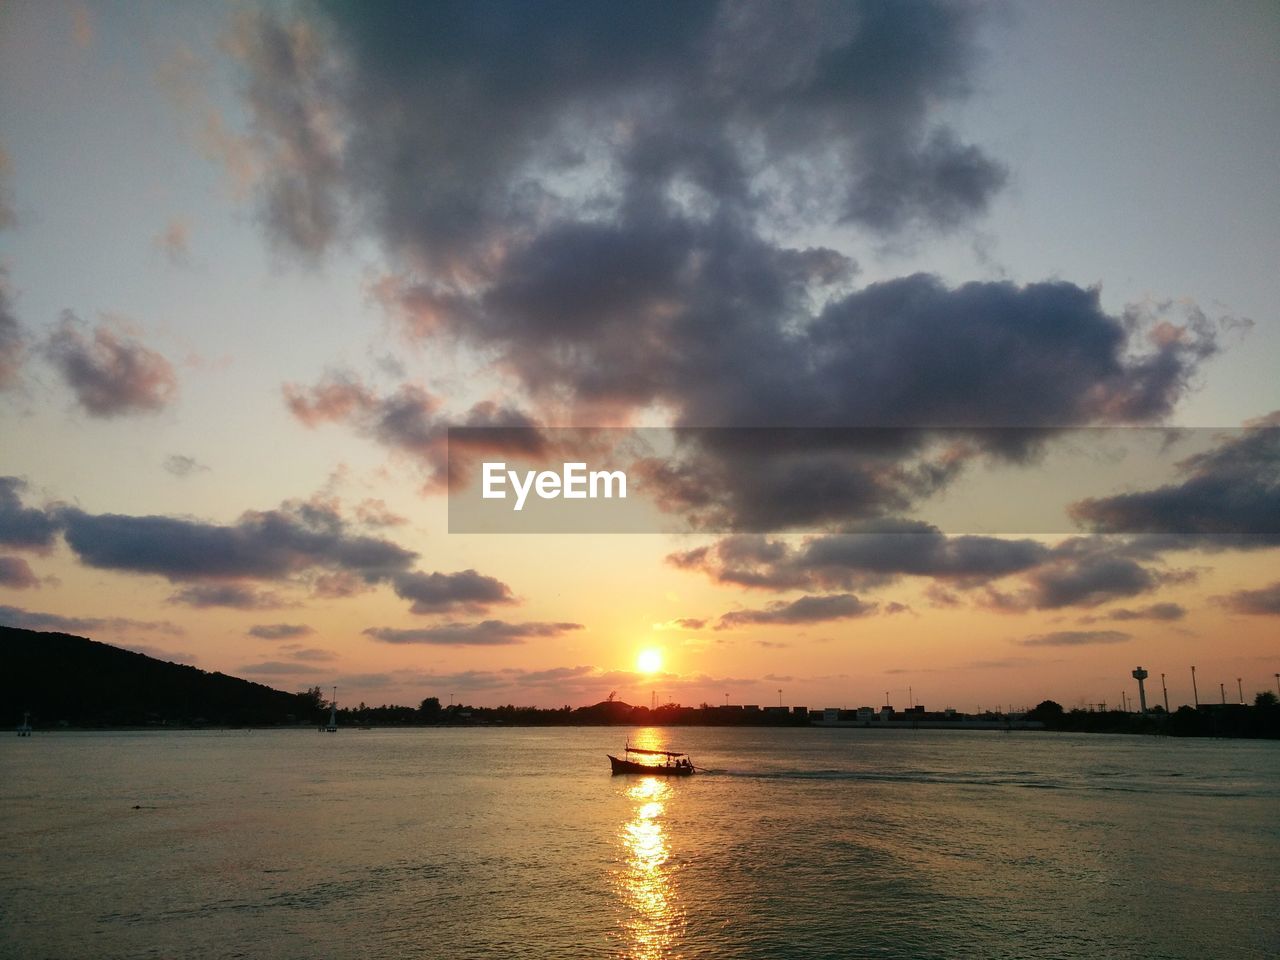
x=1126, y=480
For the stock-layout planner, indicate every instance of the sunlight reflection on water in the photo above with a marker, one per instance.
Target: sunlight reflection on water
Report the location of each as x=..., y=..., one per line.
x=647, y=881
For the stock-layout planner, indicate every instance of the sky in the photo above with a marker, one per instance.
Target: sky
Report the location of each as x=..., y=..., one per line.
x=258, y=259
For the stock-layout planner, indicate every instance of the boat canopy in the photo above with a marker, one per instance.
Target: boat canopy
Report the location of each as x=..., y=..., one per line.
x=654, y=753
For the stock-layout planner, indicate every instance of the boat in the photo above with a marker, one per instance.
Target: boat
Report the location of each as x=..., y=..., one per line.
x=673, y=764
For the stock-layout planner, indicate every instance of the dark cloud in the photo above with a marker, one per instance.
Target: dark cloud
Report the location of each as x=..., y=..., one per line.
x=1077, y=572
x=15, y=573
x=907, y=354
x=280, y=631
x=343, y=583
x=33, y=620
x=1155, y=611
x=498, y=103
x=269, y=545
x=808, y=609
x=24, y=526
x=1264, y=601
x=1233, y=489
x=595, y=200
x=599, y=201
x=919, y=551
x=238, y=596
x=182, y=466
x=311, y=654
x=484, y=633
x=845, y=561
x=1090, y=580
x=465, y=590
x=111, y=373
x=1075, y=638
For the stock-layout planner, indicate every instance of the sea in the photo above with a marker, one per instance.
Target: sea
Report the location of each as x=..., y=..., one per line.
x=517, y=842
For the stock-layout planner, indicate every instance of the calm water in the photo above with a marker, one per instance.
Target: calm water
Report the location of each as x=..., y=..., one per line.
x=518, y=843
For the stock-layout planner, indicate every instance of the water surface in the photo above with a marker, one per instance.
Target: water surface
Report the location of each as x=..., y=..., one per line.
x=490, y=842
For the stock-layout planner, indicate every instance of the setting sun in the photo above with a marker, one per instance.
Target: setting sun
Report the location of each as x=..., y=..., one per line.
x=649, y=661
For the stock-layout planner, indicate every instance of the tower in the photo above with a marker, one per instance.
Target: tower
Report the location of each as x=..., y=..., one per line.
x=1140, y=675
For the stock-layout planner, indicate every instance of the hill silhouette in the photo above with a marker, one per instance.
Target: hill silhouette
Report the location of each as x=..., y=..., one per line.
x=64, y=679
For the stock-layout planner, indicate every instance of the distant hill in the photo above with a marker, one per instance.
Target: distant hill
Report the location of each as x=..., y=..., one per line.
x=64, y=679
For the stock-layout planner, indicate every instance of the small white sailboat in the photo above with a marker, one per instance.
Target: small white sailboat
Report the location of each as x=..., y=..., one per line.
x=332, y=726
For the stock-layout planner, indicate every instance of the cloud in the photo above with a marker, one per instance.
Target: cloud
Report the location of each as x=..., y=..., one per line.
x=376, y=513
x=182, y=466
x=174, y=241
x=1232, y=489
x=465, y=590
x=1089, y=580
x=276, y=668
x=7, y=215
x=1077, y=572
x=1155, y=611
x=844, y=561
x=410, y=421
x=33, y=620
x=235, y=595
x=484, y=633
x=1075, y=638
x=295, y=131
x=499, y=105
x=608, y=209
x=1262, y=602
x=682, y=623
x=312, y=654
x=111, y=374
x=24, y=526
x=280, y=631
x=808, y=609
x=909, y=354
x=333, y=399
x=15, y=573
x=266, y=545
x=12, y=337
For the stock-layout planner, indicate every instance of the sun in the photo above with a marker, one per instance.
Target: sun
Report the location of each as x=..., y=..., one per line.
x=649, y=661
